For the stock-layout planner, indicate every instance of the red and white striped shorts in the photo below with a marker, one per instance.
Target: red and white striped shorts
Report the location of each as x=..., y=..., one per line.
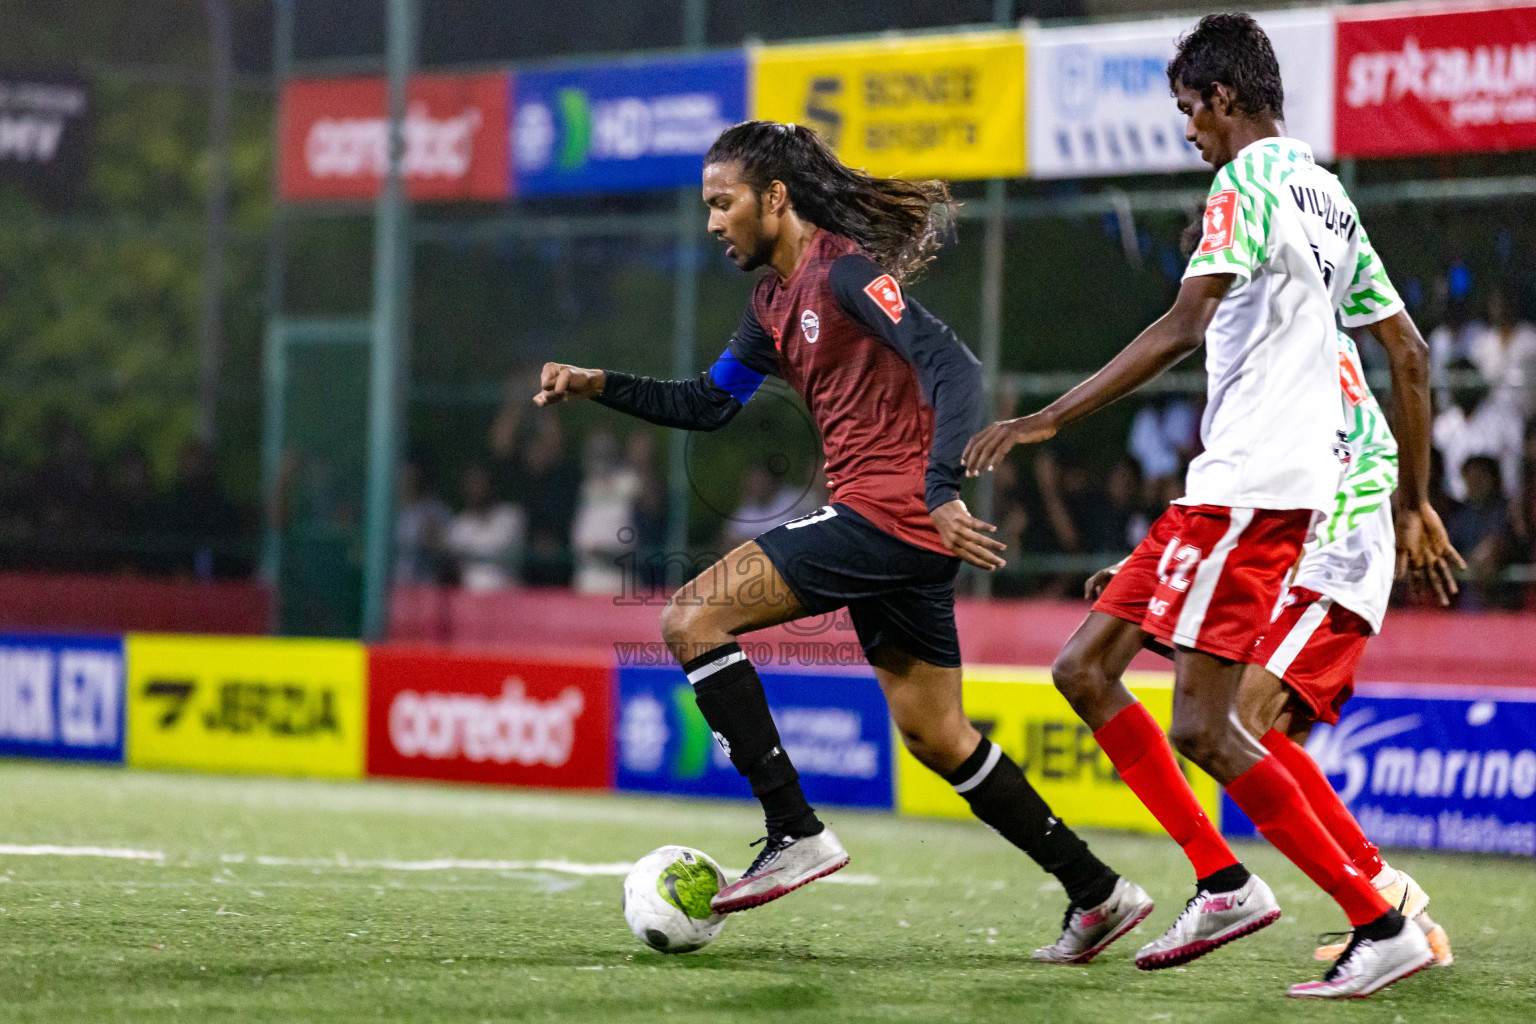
x=1208, y=577
x=1315, y=646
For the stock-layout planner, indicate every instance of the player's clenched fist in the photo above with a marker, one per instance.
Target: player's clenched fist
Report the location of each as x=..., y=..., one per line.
x=561, y=381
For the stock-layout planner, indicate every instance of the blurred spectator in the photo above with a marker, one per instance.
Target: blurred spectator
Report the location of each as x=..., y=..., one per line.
x=545, y=480
x=1163, y=438
x=766, y=502
x=1505, y=352
x=651, y=499
x=62, y=492
x=605, y=511
x=1476, y=423
x=1010, y=513
x=1122, y=521
x=130, y=513
x=201, y=517
x=650, y=510
x=421, y=525
x=1453, y=339
x=1479, y=527
x=486, y=538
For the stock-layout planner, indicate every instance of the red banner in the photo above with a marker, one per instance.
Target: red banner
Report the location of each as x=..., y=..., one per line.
x=1435, y=79
x=456, y=137
x=485, y=718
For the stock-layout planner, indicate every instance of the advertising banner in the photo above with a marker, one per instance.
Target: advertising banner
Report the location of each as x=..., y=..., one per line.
x=45, y=124
x=334, y=132
x=623, y=127
x=1437, y=79
x=1432, y=772
x=487, y=718
x=834, y=727
x=1021, y=711
x=1099, y=101
x=61, y=697
x=942, y=106
x=246, y=704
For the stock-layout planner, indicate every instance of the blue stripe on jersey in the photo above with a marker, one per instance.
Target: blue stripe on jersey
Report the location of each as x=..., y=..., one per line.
x=736, y=378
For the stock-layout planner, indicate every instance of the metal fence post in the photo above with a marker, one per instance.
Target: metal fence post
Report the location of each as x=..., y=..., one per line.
x=391, y=319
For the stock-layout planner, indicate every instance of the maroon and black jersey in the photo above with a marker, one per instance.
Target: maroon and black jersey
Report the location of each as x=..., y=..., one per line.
x=895, y=394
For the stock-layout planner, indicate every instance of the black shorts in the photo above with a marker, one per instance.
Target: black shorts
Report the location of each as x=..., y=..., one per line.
x=896, y=593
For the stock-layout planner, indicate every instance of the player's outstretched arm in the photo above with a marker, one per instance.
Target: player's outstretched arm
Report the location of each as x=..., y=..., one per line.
x=1175, y=335
x=707, y=402
x=1424, y=551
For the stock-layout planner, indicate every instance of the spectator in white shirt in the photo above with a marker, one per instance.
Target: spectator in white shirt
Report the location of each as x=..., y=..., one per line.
x=1453, y=339
x=421, y=523
x=605, y=514
x=1477, y=423
x=767, y=502
x=1163, y=437
x=1505, y=353
x=486, y=539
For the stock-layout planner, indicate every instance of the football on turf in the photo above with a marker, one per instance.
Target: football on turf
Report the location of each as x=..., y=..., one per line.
x=666, y=899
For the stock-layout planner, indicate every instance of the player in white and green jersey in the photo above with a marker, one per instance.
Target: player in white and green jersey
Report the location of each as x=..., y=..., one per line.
x=1303, y=670
x=1282, y=260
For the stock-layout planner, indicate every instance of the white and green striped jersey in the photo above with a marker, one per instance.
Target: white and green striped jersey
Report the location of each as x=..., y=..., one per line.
x=1292, y=239
x=1351, y=559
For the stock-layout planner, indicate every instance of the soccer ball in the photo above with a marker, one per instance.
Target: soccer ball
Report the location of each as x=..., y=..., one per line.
x=666, y=899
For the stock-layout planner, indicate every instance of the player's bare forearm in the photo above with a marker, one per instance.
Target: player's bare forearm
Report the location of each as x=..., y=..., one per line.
x=1409, y=358
x=1175, y=335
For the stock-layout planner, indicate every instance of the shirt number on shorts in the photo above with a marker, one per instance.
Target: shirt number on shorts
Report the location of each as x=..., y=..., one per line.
x=821, y=515
x=1178, y=561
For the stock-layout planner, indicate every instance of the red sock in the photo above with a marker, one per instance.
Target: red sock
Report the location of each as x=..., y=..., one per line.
x=1330, y=810
x=1267, y=794
x=1145, y=761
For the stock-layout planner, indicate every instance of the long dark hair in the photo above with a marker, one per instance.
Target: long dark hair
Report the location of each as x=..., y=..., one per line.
x=899, y=223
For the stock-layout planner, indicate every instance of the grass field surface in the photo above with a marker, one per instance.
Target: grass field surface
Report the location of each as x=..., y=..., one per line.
x=141, y=897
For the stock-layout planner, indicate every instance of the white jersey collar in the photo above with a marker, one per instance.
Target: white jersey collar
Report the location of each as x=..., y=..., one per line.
x=1283, y=143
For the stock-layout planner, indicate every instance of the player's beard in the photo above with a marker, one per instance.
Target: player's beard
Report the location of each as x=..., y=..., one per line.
x=759, y=254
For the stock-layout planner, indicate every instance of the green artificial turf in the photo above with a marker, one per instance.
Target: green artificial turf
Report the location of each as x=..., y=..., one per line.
x=324, y=929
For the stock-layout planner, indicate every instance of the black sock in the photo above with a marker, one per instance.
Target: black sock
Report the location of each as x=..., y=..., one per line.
x=1384, y=927
x=731, y=697
x=1228, y=879
x=1001, y=796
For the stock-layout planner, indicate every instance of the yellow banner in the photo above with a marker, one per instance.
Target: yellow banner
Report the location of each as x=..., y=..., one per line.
x=293, y=707
x=940, y=106
x=1020, y=710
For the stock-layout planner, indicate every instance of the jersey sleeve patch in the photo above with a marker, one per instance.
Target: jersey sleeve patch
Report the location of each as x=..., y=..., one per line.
x=1220, y=222
x=886, y=294
x=1350, y=380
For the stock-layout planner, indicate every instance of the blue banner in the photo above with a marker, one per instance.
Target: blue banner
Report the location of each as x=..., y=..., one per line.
x=623, y=127
x=834, y=727
x=1430, y=772
x=61, y=697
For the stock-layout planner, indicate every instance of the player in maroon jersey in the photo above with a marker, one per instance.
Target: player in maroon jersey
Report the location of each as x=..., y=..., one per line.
x=895, y=395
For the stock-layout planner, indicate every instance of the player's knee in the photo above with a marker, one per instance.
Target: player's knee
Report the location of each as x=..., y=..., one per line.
x=938, y=743
x=1076, y=677
x=679, y=624
x=1199, y=742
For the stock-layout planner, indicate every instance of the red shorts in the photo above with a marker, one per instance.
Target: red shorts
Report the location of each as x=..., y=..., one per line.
x=1208, y=577
x=1314, y=645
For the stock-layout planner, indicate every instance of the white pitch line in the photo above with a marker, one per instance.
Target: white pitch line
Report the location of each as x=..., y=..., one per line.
x=613, y=869
x=48, y=850
x=610, y=869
